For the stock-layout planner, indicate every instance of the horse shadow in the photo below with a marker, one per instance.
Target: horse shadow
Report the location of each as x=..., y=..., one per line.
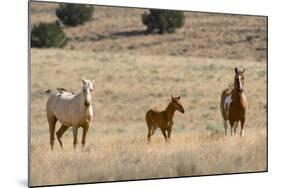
x=132, y=33
x=94, y=37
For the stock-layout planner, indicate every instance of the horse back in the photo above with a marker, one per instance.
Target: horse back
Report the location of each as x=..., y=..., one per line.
x=59, y=99
x=62, y=106
x=154, y=116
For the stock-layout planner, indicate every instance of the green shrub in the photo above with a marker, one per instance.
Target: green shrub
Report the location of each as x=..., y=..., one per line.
x=46, y=35
x=163, y=21
x=214, y=129
x=74, y=14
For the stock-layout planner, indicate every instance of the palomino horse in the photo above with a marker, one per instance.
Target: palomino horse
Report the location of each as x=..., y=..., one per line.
x=163, y=119
x=71, y=111
x=234, y=103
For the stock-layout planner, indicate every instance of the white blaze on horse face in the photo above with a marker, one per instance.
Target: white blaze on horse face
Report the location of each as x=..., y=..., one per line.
x=240, y=83
x=88, y=96
x=87, y=88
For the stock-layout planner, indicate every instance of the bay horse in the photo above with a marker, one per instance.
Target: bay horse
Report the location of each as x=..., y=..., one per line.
x=234, y=104
x=163, y=119
x=71, y=111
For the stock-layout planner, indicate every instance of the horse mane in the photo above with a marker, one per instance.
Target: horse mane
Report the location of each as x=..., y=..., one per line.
x=157, y=109
x=170, y=111
x=62, y=90
x=169, y=105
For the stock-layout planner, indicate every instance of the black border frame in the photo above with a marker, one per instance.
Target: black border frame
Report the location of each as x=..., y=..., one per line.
x=131, y=180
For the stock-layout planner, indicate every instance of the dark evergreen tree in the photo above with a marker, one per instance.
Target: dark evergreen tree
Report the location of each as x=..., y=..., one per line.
x=163, y=21
x=74, y=14
x=46, y=35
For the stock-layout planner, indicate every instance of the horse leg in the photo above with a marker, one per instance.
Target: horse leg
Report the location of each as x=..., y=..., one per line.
x=231, y=127
x=52, y=125
x=148, y=134
x=75, y=131
x=225, y=126
x=169, y=130
x=242, y=127
x=149, y=127
x=153, y=130
x=60, y=132
x=85, y=130
x=164, y=134
x=235, y=126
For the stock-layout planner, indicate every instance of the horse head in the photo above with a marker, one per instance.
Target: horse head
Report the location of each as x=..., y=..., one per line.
x=87, y=90
x=177, y=104
x=239, y=80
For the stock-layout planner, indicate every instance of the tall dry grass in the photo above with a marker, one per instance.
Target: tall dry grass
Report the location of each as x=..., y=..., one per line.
x=124, y=156
x=126, y=86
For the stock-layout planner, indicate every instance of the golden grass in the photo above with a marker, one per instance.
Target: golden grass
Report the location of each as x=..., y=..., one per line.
x=127, y=156
x=126, y=86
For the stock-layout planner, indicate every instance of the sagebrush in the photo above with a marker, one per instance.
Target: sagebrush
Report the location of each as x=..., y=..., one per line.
x=74, y=14
x=46, y=35
x=163, y=21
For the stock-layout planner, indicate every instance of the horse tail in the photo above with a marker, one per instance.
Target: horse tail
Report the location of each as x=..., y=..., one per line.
x=51, y=121
x=49, y=92
x=148, y=118
x=149, y=124
x=222, y=105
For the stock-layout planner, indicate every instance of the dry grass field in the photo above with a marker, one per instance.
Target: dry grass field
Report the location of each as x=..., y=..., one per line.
x=134, y=72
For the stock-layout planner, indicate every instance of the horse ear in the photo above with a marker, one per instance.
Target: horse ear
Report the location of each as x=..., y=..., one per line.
x=172, y=97
x=236, y=70
x=83, y=80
